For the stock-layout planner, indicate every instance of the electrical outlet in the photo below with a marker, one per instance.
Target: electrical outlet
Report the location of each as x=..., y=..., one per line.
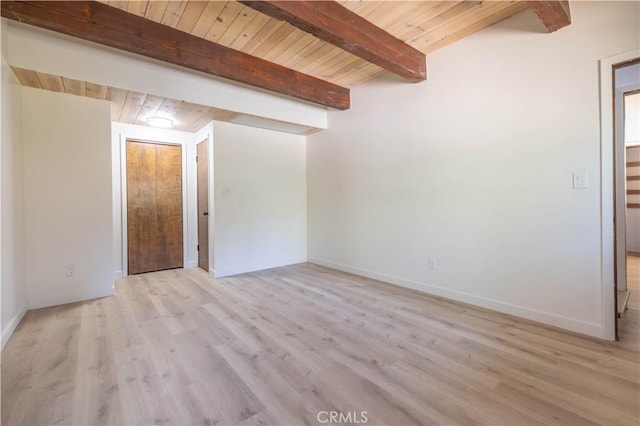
x=432, y=263
x=70, y=270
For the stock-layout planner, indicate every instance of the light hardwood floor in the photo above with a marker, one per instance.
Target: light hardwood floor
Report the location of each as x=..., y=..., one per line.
x=279, y=346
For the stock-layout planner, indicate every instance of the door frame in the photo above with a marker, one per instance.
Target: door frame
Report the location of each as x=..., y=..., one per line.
x=207, y=134
x=123, y=195
x=608, y=191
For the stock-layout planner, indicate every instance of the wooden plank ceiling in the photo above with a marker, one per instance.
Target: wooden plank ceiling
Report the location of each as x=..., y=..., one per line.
x=133, y=107
x=425, y=25
x=322, y=54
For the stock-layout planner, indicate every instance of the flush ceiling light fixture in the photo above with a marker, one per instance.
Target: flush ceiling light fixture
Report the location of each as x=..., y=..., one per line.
x=162, y=122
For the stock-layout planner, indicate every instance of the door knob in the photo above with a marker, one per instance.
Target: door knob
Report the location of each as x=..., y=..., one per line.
x=205, y=214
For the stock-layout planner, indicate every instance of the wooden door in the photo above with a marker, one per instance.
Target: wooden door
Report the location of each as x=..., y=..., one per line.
x=154, y=207
x=203, y=205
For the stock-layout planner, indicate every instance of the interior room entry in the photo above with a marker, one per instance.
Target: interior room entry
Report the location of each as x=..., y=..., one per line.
x=626, y=84
x=154, y=207
x=203, y=204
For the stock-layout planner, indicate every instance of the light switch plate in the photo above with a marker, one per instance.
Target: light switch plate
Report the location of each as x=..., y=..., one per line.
x=580, y=180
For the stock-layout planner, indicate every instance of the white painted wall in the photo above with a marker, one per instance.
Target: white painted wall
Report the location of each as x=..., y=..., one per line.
x=474, y=168
x=53, y=53
x=260, y=199
x=67, y=196
x=120, y=132
x=13, y=293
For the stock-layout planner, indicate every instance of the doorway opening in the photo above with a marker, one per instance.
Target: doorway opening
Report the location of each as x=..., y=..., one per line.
x=154, y=206
x=626, y=131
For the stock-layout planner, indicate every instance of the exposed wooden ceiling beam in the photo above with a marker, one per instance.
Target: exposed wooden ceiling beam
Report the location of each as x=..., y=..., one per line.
x=553, y=14
x=335, y=24
x=113, y=27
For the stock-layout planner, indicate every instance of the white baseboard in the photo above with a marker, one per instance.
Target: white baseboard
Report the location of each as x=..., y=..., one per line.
x=11, y=327
x=243, y=269
x=583, y=327
x=192, y=264
x=117, y=275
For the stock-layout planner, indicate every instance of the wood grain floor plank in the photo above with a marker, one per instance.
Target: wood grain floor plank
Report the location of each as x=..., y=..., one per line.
x=279, y=346
x=284, y=402
x=95, y=373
